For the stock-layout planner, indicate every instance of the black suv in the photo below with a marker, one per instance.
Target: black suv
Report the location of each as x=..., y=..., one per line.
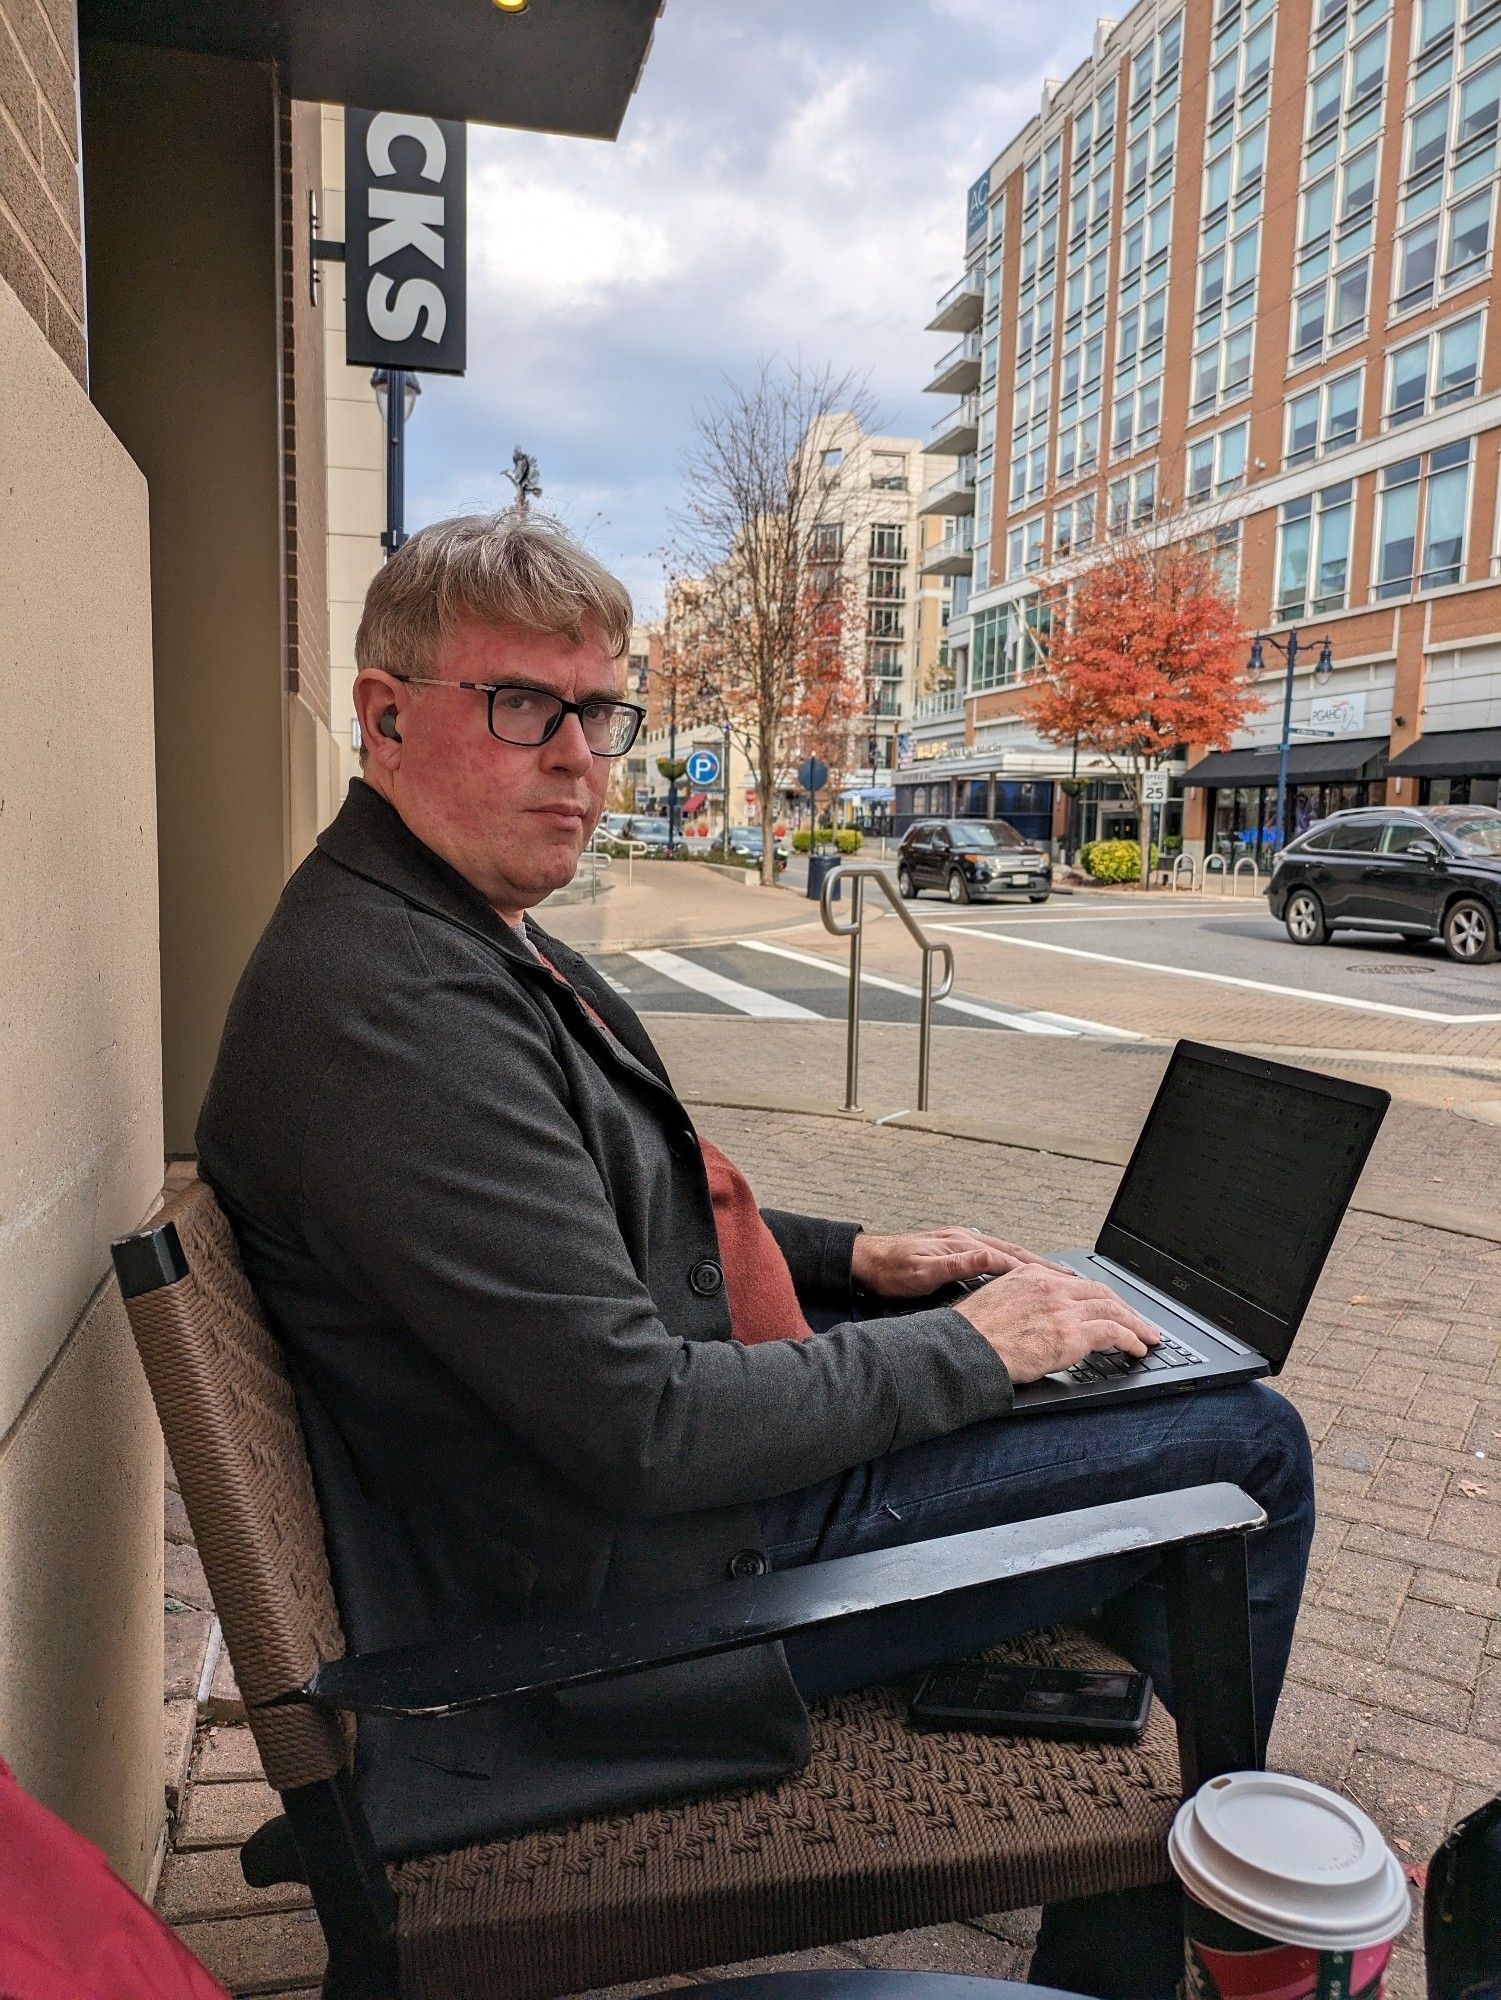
x=1426, y=872
x=968, y=858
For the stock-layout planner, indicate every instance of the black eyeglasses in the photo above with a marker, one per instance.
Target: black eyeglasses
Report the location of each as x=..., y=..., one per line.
x=530, y=716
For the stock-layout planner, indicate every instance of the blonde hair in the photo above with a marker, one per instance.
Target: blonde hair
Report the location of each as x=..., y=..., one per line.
x=503, y=569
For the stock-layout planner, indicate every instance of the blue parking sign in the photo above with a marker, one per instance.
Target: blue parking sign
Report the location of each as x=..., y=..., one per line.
x=703, y=767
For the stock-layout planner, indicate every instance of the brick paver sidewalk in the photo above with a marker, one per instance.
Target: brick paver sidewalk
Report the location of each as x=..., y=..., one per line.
x=1395, y=1692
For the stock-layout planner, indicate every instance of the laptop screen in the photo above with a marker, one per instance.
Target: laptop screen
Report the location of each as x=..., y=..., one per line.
x=1237, y=1186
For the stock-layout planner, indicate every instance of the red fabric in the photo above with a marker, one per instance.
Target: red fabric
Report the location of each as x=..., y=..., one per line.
x=70, y=1929
x=762, y=1296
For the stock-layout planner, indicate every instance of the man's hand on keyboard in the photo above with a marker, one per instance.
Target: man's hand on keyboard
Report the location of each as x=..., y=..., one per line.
x=1039, y=1319
x=916, y=1263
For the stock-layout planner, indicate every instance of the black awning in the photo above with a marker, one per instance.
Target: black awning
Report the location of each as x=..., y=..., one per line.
x=1337, y=760
x=1451, y=753
x=565, y=66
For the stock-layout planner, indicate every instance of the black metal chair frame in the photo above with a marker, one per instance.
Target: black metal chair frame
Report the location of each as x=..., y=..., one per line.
x=1199, y=1534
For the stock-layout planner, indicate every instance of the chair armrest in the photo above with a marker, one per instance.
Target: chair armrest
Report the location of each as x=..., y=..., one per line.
x=556, y=1651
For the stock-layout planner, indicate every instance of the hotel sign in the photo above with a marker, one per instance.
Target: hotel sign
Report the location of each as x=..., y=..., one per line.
x=404, y=247
x=976, y=208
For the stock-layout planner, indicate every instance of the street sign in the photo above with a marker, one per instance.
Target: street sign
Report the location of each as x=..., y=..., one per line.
x=812, y=774
x=703, y=768
x=1154, y=788
x=404, y=250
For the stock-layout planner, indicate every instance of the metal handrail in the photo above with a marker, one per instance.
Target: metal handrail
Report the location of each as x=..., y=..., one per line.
x=859, y=872
x=1245, y=861
x=1191, y=863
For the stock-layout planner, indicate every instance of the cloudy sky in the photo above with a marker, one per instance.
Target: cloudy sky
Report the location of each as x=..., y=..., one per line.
x=790, y=177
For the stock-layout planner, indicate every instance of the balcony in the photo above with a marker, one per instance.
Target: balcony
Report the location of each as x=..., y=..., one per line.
x=942, y=707
x=954, y=555
x=958, y=430
x=960, y=307
x=954, y=495
x=959, y=370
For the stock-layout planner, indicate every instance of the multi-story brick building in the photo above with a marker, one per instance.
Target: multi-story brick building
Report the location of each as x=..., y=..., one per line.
x=1239, y=272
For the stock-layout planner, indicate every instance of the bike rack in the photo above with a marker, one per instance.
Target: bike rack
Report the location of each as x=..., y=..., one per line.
x=858, y=874
x=1191, y=863
x=1245, y=861
x=600, y=857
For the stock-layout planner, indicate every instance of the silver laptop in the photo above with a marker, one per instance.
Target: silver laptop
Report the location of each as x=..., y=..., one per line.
x=1221, y=1223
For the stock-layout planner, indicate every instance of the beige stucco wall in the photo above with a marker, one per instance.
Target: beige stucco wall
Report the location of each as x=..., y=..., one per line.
x=80, y=1094
x=186, y=367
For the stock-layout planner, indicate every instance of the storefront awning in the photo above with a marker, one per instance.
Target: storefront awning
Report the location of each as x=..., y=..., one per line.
x=1339, y=760
x=564, y=66
x=1451, y=753
x=868, y=795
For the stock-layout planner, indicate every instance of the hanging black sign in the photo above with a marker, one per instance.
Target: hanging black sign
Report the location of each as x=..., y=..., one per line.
x=404, y=246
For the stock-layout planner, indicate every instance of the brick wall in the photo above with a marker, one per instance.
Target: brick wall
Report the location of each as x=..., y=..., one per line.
x=41, y=251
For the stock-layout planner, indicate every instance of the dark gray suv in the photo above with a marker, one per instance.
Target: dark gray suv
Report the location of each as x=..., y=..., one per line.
x=972, y=858
x=1421, y=872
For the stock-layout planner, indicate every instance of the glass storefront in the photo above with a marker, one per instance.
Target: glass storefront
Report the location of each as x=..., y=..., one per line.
x=1243, y=821
x=1027, y=803
x=1459, y=791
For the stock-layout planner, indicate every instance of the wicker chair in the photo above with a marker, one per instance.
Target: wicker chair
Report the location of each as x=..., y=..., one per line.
x=884, y=1829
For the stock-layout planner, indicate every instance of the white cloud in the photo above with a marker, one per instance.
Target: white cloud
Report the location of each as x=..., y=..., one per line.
x=789, y=179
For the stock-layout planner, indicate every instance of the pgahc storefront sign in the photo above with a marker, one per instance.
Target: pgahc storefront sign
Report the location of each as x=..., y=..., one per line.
x=404, y=243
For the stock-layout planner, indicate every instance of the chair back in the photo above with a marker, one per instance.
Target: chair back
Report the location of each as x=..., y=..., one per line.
x=231, y=1424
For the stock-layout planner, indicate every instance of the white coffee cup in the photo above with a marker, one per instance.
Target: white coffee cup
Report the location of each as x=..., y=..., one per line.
x=1288, y=1889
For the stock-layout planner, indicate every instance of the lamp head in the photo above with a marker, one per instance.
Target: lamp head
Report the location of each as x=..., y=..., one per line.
x=1255, y=663
x=1324, y=665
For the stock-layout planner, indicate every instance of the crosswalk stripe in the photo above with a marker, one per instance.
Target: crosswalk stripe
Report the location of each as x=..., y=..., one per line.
x=1024, y=1024
x=744, y=999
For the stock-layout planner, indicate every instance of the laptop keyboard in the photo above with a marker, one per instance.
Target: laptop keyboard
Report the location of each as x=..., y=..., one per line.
x=1101, y=1366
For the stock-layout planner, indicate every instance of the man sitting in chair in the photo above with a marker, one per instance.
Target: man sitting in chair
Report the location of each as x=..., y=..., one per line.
x=549, y=1352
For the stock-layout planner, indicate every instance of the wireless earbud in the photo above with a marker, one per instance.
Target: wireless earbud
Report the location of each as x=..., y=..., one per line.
x=388, y=725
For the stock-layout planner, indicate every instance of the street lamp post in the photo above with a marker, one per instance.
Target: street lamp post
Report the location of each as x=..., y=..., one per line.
x=396, y=393
x=1323, y=668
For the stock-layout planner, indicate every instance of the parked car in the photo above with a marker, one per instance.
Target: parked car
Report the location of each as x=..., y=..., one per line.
x=749, y=841
x=650, y=832
x=615, y=824
x=970, y=858
x=1419, y=871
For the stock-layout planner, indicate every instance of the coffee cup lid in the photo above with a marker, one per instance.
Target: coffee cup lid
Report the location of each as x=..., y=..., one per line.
x=1282, y=1856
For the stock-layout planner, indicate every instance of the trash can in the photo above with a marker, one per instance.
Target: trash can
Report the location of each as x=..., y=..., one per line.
x=819, y=866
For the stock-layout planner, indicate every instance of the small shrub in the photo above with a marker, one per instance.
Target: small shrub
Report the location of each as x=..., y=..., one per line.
x=1115, y=860
x=849, y=840
x=1086, y=848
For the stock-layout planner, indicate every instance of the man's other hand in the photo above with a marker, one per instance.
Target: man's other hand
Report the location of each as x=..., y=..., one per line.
x=1039, y=1318
x=912, y=1265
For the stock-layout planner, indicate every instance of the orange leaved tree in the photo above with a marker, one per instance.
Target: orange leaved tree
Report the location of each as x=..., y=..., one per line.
x=1146, y=652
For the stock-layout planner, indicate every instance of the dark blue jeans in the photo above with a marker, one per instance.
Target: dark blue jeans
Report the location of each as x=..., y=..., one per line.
x=1126, y=1947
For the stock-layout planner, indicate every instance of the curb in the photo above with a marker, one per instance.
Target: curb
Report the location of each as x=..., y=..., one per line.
x=1066, y=1146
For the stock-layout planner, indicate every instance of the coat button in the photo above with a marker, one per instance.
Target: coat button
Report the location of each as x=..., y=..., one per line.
x=706, y=1278
x=685, y=1144
x=749, y=1563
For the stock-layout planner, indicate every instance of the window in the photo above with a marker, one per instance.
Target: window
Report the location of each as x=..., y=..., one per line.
x=1431, y=373
x=1313, y=552
x=1217, y=464
x=1444, y=516
x=826, y=541
x=888, y=541
x=1435, y=491
x=1445, y=214
x=1322, y=418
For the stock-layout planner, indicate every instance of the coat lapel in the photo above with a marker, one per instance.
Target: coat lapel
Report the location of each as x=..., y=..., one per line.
x=370, y=839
